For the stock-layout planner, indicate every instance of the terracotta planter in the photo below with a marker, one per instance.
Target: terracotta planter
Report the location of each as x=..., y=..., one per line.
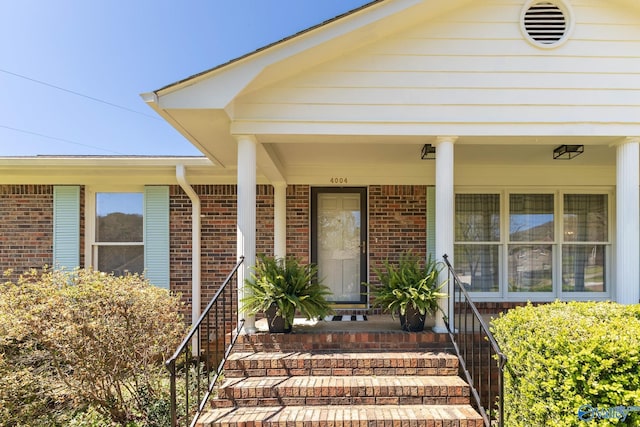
x=275, y=321
x=412, y=321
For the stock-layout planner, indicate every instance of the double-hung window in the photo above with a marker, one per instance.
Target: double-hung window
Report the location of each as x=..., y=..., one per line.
x=119, y=242
x=533, y=245
x=477, y=235
x=585, y=243
x=127, y=231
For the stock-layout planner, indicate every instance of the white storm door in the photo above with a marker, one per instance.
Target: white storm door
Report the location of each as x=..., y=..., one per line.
x=339, y=242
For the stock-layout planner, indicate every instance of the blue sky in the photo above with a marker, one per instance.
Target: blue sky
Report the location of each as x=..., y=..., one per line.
x=113, y=50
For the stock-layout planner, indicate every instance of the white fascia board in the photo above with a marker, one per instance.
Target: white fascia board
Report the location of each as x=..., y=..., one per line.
x=215, y=92
x=217, y=88
x=124, y=176
x=103, y=162
x=426, y=129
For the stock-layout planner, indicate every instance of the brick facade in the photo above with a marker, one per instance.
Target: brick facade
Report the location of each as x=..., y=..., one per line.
x=397, y=222
x=26, y=227
x=218, y=236
x=298, y=221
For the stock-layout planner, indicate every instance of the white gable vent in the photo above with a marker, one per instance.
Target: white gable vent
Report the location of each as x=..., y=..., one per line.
x=546, y=23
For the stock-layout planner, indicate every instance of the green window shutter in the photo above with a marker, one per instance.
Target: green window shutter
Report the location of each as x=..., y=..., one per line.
x=431, y=222
x=156, y=235
x=66, y=227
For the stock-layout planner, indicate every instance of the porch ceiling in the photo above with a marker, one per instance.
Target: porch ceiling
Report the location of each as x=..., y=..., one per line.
x=478, y=161
x=375, y=151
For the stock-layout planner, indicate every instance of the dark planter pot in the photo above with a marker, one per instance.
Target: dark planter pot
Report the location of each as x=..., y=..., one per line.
x=275, y=321
x=412, y=321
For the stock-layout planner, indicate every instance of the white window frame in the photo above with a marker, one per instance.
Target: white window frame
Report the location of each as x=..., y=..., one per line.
x=590, y=296
x=503, y=294
x=487, y=296
x=91, y=246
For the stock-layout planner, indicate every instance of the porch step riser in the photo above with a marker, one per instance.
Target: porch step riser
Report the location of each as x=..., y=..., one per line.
x=341, y=372
x=333, y=401
x=407, y=390
x=345, y=341
x=340, y=364
x=345, y=416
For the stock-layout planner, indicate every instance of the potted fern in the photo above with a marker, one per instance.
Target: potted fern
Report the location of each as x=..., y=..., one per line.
x=280, y=287
x=408, y=289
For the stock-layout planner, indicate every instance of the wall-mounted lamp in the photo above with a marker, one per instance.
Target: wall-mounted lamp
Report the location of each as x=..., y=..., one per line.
x=567, y=152
x=428, y=152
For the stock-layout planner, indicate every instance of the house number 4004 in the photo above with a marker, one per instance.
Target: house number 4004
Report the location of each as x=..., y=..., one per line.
x=335, y=180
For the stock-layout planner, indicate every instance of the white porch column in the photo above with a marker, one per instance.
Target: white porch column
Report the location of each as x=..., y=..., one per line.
x=444, y=216
x=246, y=237
x=280, y=220
x=627, y=222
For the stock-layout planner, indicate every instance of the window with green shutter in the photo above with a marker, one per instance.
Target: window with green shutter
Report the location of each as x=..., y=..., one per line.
x=128, y=232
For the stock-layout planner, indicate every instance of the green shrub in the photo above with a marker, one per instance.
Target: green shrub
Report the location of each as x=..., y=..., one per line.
x=290, y=285
x=85, y=339
x=409, y=282
x=566, y=358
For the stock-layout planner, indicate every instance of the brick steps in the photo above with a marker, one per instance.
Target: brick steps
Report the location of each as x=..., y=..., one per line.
x=346, y=390
x=263, y=364
x=344, y=416
x=362, y=376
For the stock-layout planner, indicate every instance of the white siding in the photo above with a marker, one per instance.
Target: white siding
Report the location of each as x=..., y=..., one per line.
x=472, y=66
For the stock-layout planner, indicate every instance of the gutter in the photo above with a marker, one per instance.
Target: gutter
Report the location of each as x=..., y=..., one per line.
x=195, y=242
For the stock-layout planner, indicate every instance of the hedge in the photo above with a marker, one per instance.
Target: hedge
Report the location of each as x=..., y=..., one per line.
x=571, y=364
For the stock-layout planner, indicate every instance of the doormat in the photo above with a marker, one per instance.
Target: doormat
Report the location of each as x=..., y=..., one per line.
x=346, y=318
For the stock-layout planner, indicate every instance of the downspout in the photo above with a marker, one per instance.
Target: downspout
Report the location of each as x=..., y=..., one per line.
x=195, y=242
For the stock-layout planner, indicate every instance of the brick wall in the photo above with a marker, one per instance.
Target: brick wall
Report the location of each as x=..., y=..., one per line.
x=495, y=308
x=397, y=223
x=26, y=227
x=218, y=234
x=264, y=220
x=298, y=222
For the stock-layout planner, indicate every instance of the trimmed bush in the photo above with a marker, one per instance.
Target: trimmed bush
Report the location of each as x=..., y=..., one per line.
x=84, y=339
x=569, y=363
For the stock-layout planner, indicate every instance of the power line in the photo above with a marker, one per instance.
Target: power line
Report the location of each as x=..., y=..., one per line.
x=79, y=94
x=58, y=139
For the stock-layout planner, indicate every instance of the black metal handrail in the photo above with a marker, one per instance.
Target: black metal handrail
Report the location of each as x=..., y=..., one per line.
x=479, y=354
x=201, y=367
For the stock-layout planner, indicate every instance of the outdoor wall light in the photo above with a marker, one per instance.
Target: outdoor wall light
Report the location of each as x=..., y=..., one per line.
x=567, y=152
x=428, y=152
